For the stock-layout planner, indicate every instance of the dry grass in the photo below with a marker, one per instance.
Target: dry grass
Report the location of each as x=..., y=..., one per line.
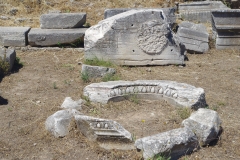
x=32, y=9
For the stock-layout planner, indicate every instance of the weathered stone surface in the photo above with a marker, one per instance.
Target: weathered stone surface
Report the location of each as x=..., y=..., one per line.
x=174, y=143
x=199, y=11
x=53, y=37
x=226, y=27
x=169, y=12
x=179, y=94
x=96, y=71
x=101, y=129
x=135, y=37
x=205, y=123
x=69, y=103
x=58, y=123
x=193, y=36
x=13, y=36
x=4, y=17
x=62, y=20
x=9, y=55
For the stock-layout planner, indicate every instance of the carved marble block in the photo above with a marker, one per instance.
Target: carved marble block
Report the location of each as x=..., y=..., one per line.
x=178, y=94
x=135, y=37
x=98, y=129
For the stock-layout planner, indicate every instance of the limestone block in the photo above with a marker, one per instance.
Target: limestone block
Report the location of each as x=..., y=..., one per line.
x=169, y=12
x=193, y=36
x=58, y=123
x=69, y=103
x=199, y=11
x=97, y=71
x=62, y=20
x=98, y=129
x=135, y=37
x=205, y=123
x=13, y=36
x=174, y=143
x=8, y=55
x=53, y=37
x=178, y=94
x=226, y=26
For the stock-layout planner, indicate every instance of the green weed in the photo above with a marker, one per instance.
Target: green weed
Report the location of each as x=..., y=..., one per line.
x=110, y=77
x=4, y=66
x=160, y=157
x=55, y=85
x=85, y=77
x=98, y=62
x=184, y=113
x=134, y=98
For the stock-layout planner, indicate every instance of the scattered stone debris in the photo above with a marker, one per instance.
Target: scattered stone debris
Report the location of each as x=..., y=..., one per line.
x=9, y=55
x=205, y=123
x=13, y=11
x=173, y=143
x=97, y=71
x=58, y=123
x=62, y=20
x=177, y=94
x=225, y=28
x=69, y=103
x=13, y=36
x=193, y=36
x=4, y=18
x=135, y=37
x=199, y=11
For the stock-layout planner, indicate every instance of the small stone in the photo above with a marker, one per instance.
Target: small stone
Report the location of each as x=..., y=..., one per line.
x=148, y=70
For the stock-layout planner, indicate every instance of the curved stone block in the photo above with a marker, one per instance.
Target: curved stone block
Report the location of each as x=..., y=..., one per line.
x=205, y=123
x=178, y=94
x=98, y=129
x=135, y=37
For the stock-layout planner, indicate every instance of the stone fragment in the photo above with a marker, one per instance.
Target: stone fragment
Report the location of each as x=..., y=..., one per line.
x=199, y=11
x=21, y=20
x=174, y=143
x=13, y=11
x=225, y=28
x=4, y=17
x=185, y=94
x=205, y=123
x=101, y=129
x=169, y=12
x=135, y=37
x=13, y=36
x=62, y=20
x=71, y=104
x=53, y=37
x=193, y=36
x=58, y=123
x=9, y=55
x=97, y=71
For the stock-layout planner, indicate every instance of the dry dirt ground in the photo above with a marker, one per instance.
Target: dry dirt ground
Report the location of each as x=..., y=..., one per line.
x=36, y=90
x=32, y=93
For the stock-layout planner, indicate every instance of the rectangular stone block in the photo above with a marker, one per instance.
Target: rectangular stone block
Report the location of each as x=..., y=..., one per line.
x=62, y=20
x=14, y=36
x=53, y=37
x=226, y=28
x=8, y=55
x=199, y=11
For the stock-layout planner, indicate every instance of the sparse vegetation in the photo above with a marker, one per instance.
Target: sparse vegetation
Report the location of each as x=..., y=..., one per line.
x=110, y=77
x=184, y=112
x=98, y=62
x=160, y=157
x=55, y=85
x=85, y=77
x=4, y=66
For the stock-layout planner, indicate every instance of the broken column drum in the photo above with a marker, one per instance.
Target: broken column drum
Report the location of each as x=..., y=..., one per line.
x=135, y=37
